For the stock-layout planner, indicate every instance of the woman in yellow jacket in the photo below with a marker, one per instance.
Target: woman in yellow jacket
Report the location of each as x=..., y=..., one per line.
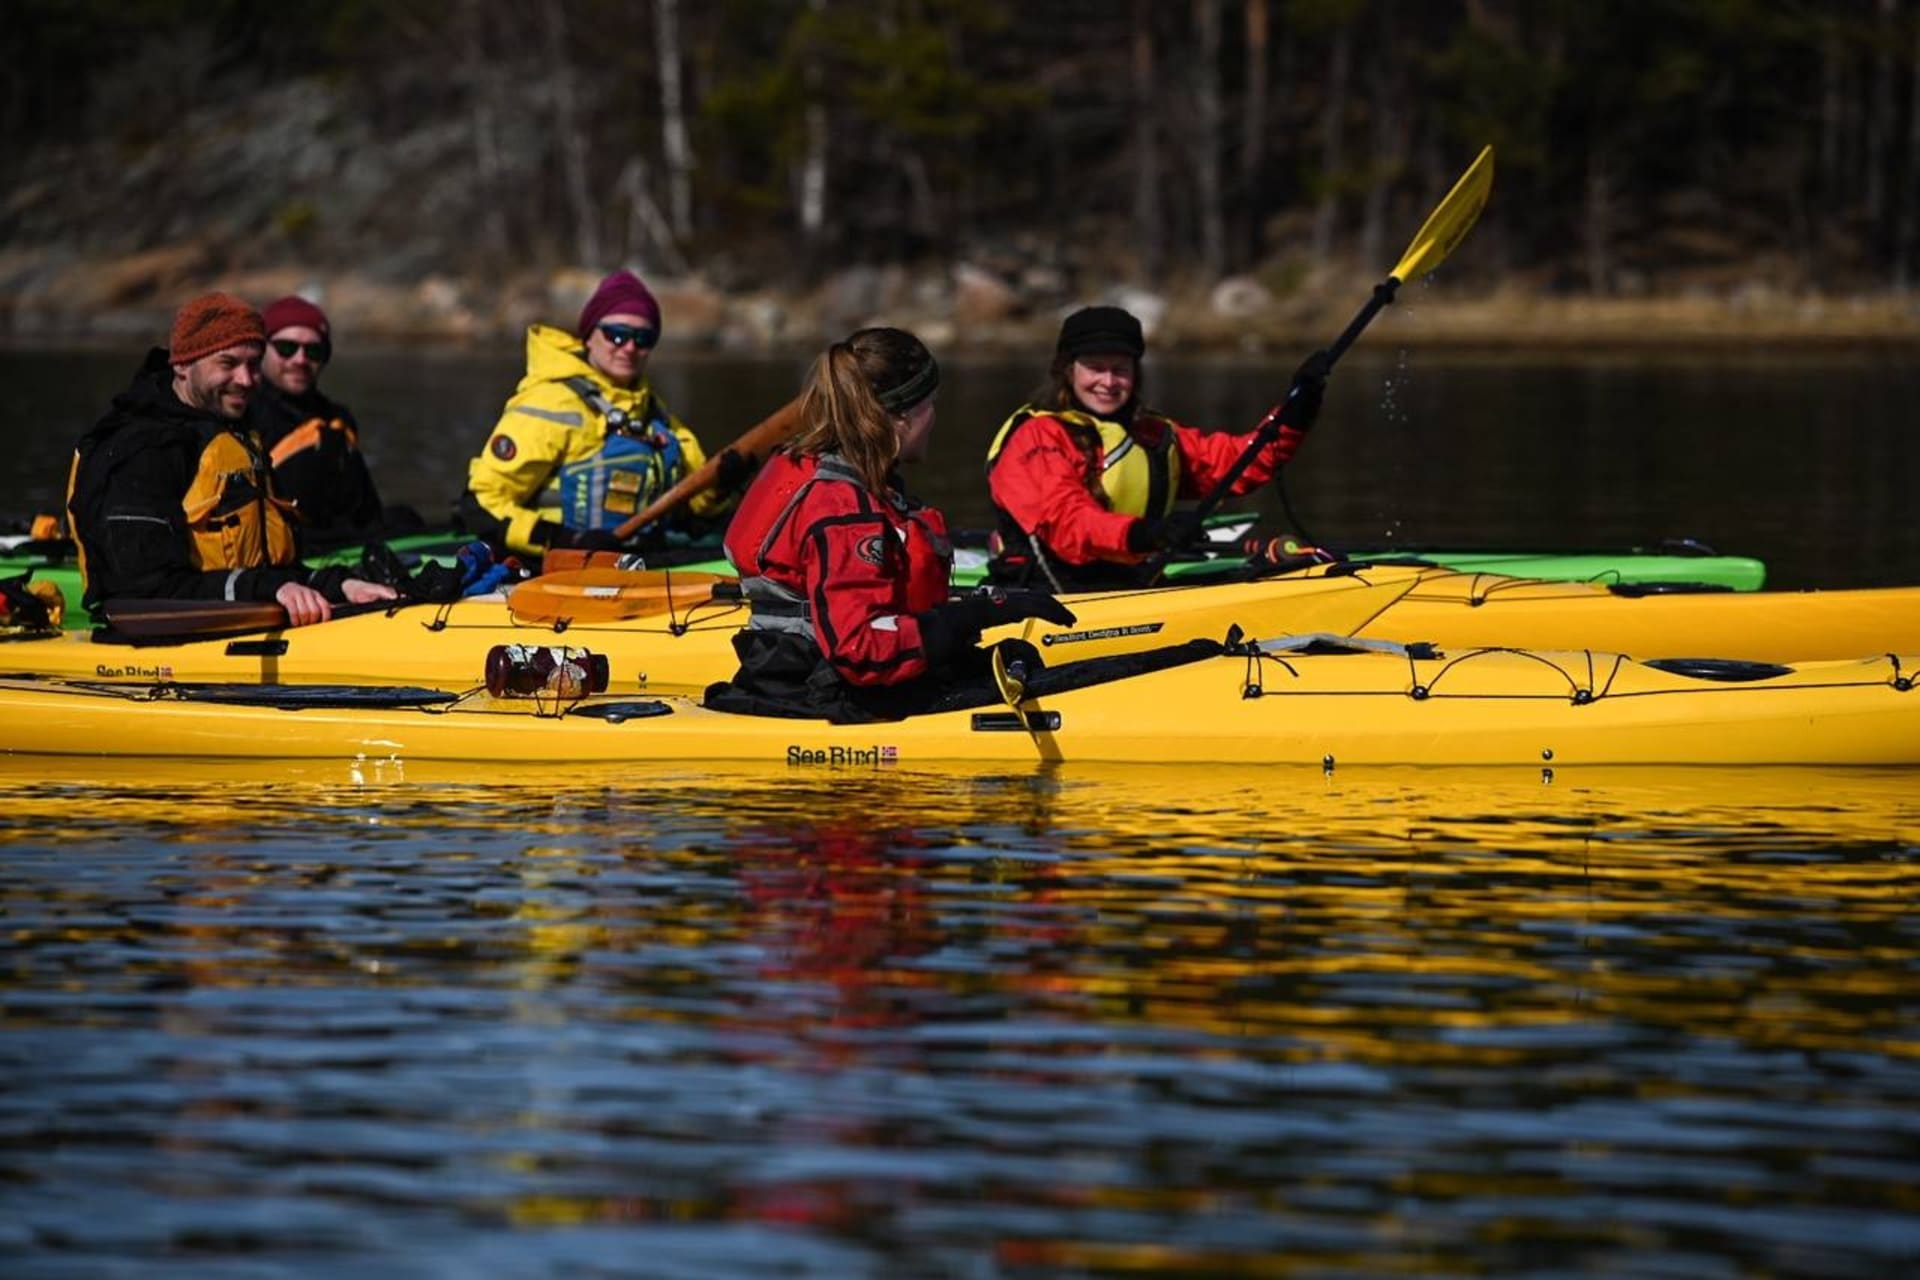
x=586, y=442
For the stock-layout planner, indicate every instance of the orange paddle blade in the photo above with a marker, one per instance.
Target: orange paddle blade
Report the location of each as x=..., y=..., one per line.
x=611, y=595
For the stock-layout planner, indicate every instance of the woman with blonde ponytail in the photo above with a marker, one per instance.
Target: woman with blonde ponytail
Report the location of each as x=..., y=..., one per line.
x=846, y=575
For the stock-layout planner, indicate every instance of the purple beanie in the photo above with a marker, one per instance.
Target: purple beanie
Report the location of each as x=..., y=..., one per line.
x=619, y=293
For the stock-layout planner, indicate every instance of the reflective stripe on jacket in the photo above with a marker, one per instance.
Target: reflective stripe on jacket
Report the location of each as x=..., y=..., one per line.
x=551, y=424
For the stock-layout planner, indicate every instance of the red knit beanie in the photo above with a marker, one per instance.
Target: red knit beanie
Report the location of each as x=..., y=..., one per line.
x=294, y=310
x=619, y=294
x=212, y=322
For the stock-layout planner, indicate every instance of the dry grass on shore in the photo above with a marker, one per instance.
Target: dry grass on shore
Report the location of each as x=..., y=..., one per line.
x=123, y=300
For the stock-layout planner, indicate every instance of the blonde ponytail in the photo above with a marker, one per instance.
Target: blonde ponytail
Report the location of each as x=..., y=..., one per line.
x=852, y=394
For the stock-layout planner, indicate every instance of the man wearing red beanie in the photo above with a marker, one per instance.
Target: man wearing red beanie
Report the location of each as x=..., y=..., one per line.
x=586, y=442
x=312, y=441
x=171, y=496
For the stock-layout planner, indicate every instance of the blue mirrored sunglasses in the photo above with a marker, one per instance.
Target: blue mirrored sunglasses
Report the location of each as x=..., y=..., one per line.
x=621, y=334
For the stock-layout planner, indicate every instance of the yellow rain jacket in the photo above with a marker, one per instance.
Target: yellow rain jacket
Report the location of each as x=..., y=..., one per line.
x=556, y=426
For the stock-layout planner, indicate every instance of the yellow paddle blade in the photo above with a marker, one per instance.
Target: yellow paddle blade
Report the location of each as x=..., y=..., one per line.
x=1449, y=223
x=610, y=595
x=1012, y=687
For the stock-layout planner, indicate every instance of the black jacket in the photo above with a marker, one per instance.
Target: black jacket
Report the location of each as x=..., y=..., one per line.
x=131, y=472
x=328, y=482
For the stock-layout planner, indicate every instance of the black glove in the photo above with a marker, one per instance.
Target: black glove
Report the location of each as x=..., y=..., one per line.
x=948, y=628
x=550, y=535
x=1181, y=529
x=736, y=469
x=1309, y=388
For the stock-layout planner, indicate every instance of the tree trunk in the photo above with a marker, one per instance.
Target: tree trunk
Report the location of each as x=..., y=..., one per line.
x=1333, y=151
x=1147, y=221
x=1212, y=214
x=486, y=131
x=1832, y=109
x=813, y=165
x=1388, y=160
x=1253, y=132
x=673, y=118
x=1596, y=231
x=572, y=141
x=1877, y=162
x=1908, y=193
x=646, y=225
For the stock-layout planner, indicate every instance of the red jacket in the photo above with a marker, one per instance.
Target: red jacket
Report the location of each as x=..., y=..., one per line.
x=813, y=545
x=1047, y=479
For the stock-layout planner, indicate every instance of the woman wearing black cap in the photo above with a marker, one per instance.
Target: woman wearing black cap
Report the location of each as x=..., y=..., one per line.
x=846, y=575
x=1084, y=481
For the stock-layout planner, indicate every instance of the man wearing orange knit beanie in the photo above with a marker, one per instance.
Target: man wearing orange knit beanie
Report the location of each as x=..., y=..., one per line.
x=171, y=497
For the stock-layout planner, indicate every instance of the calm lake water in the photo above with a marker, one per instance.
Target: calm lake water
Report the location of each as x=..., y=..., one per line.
x=1807, y=462
x=1094, y=1023
x=526, y=1022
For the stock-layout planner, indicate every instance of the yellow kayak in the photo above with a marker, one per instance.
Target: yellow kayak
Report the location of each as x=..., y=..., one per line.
x=679, y=635
x=681, y=642
x=1529, y=709
x=1450, y=608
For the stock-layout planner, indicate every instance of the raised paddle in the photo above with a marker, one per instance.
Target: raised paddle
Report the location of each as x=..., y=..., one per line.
x=754, y=445
x=1444, y=228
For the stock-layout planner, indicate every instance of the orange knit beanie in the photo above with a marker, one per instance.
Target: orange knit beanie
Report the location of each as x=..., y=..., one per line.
x=212, y=322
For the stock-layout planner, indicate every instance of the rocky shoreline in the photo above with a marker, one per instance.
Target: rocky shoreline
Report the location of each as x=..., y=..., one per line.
x=49, y=299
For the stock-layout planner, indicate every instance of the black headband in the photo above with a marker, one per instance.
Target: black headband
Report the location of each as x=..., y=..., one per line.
x=911, y=392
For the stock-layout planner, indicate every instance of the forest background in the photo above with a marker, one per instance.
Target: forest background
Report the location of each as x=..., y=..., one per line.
x=1237, y=171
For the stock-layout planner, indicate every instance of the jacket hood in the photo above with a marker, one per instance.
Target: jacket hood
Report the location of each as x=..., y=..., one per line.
x=554, y=355
x=149, y=405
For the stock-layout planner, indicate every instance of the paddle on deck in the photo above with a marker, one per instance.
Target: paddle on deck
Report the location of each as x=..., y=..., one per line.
x=613, y=595
x=168, y=620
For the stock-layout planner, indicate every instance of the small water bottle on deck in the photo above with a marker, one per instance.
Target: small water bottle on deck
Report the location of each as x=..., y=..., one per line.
x=533, y=670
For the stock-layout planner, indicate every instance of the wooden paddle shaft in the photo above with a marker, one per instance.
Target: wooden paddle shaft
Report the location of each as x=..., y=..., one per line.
x=756, y=443
x=162, y=619
x=169, y=619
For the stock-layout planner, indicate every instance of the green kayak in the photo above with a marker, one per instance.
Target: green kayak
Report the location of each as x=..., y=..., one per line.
x=1671, y=563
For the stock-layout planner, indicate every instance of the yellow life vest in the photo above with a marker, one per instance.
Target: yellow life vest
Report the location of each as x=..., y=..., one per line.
x=234, y=521
x=1136, y=478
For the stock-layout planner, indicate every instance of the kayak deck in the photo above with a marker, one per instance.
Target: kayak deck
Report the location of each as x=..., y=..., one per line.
x=1475, y=707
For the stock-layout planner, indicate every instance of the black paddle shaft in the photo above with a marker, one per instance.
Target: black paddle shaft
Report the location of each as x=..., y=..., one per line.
x=1270, y=430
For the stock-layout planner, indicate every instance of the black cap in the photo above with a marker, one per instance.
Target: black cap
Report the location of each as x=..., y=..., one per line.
x=1101, y=331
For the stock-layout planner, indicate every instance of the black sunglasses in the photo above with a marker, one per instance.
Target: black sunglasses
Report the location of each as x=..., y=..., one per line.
x=318, y=352
x=621, y=334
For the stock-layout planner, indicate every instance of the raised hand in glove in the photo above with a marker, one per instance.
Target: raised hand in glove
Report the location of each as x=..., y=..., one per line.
x=947, y=628
x=1171, y=533
x=735, y=469
x=1308, y=390
x=1296, y=414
